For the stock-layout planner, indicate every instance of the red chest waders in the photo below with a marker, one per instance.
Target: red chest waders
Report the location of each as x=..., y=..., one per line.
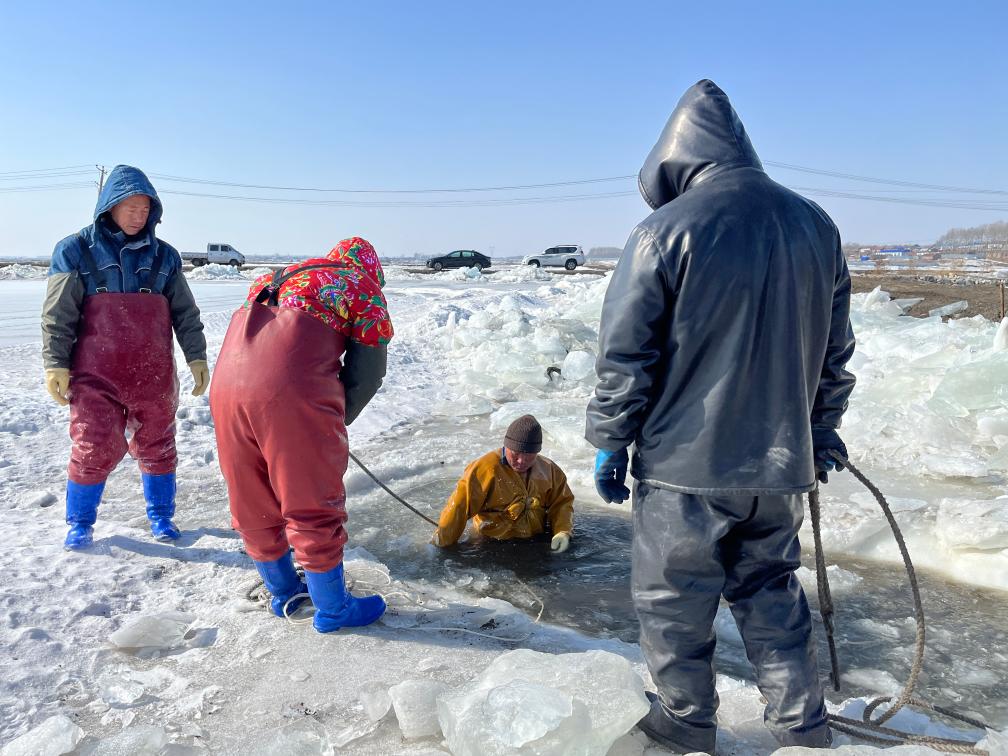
x=278, y=408
x=122, y=379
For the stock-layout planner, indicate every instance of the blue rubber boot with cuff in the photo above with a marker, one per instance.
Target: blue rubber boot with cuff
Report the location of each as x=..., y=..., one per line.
x=335, y=606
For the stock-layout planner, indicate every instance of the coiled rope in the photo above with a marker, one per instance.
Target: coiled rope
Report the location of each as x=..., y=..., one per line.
x=869, y=729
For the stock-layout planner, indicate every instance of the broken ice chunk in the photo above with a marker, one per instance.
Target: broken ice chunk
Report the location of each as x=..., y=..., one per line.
x=528, y=702
x=906, y=304
x=156, y=632
x=513, y=718
x=1001, y=336
x=949, y=309
x=120, y=689
x=55, y=736
x=375, y=699
x=431, y=663
x=142, y=740
x=578, y=365
x=415, y=703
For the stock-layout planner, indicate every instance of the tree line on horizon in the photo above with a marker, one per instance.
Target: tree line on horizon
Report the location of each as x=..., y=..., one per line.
x=989, y=233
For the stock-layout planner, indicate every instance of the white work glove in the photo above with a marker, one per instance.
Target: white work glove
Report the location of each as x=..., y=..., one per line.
x=560, y=542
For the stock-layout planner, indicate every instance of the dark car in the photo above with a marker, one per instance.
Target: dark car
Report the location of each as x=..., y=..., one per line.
x=460, y=258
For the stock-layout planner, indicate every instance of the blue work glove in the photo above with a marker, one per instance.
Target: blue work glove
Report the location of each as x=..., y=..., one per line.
x=825, y=440
x=610, y=472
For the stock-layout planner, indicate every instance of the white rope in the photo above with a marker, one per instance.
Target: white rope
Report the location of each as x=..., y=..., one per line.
x=416, y=600
x=295, y=620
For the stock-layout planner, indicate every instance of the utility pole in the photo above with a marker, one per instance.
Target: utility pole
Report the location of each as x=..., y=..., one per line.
x=101, y=177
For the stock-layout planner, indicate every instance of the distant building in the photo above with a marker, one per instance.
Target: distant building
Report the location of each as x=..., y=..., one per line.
x=895, y=252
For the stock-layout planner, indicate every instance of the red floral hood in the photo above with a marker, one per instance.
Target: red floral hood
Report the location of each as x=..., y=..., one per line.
x=360, y=254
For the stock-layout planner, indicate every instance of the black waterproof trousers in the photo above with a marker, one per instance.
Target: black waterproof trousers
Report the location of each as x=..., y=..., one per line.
x=688, y=552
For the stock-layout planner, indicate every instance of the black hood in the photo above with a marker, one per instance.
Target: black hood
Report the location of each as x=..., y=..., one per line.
x=703, y=136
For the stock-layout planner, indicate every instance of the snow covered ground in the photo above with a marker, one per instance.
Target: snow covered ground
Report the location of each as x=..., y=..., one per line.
x=928, y=422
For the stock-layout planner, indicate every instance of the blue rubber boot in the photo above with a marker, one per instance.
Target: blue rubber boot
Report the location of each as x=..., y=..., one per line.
x=159, y=491
x=335, y=607
x=81, y=513
x=283, y=583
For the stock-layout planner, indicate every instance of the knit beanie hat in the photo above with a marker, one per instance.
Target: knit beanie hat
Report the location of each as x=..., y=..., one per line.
x=524, y=435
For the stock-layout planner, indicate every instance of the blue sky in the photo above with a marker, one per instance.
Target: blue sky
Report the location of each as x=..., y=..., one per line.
x=442, y=95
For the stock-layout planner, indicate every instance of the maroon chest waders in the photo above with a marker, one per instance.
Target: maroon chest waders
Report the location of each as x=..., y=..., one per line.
x=278, y=408
x=122, y=380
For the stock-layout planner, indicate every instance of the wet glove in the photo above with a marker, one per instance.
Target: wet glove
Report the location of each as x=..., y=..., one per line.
x=610, y=474
x=560, y=542
x=825, y=440
x=57, y=383
x=201, y=376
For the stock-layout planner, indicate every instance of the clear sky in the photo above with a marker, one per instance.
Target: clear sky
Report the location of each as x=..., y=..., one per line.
x=424, y=95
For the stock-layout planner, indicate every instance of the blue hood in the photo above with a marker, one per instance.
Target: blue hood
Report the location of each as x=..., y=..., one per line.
x=126, y=181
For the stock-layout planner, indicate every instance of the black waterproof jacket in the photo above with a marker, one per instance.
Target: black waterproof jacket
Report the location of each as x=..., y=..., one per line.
x=725, y=329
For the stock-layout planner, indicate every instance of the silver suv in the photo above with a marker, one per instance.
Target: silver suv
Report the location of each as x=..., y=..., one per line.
x=567, y=255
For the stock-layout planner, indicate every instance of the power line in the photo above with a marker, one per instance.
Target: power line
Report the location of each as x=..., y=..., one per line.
x=573, y=182
x=910, y=186
x=83, y=169
x=504, y=201
x=956, y=204
x=892, y=182
x=516, y=187
x=46, y=187
x=29, y=171
x=53, y=174
x=512, y=201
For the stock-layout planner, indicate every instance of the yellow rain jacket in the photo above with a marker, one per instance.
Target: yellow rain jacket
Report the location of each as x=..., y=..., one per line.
x=505, y=504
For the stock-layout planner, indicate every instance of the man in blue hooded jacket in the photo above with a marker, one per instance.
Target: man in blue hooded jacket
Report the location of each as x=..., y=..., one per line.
x=115, y=294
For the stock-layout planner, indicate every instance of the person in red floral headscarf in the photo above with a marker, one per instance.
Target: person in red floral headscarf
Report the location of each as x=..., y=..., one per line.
x=300, y=360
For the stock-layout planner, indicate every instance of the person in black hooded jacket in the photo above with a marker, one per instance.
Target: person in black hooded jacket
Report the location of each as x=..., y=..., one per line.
x=723, y=342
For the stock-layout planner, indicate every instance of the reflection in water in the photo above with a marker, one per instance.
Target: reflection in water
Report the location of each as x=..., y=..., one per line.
x=588, y=588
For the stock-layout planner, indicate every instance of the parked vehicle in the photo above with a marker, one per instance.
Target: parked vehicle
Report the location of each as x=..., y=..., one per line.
x=460, y=258
x=222, y=254
x=568, y=255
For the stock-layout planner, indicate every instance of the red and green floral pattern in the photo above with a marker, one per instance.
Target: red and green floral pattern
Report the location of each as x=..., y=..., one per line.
x=348, y=298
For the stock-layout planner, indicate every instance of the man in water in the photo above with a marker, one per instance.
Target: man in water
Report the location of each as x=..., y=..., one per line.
x=723, y=343
x=511, y=492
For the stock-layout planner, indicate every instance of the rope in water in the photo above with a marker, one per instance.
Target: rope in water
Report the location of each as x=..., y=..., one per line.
x=390, y=492
x=868, y=729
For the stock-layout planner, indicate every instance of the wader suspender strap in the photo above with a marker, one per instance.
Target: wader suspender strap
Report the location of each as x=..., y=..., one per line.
x=89, y=265
x=270, y=295
x=154, y=270
x=92, y=268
